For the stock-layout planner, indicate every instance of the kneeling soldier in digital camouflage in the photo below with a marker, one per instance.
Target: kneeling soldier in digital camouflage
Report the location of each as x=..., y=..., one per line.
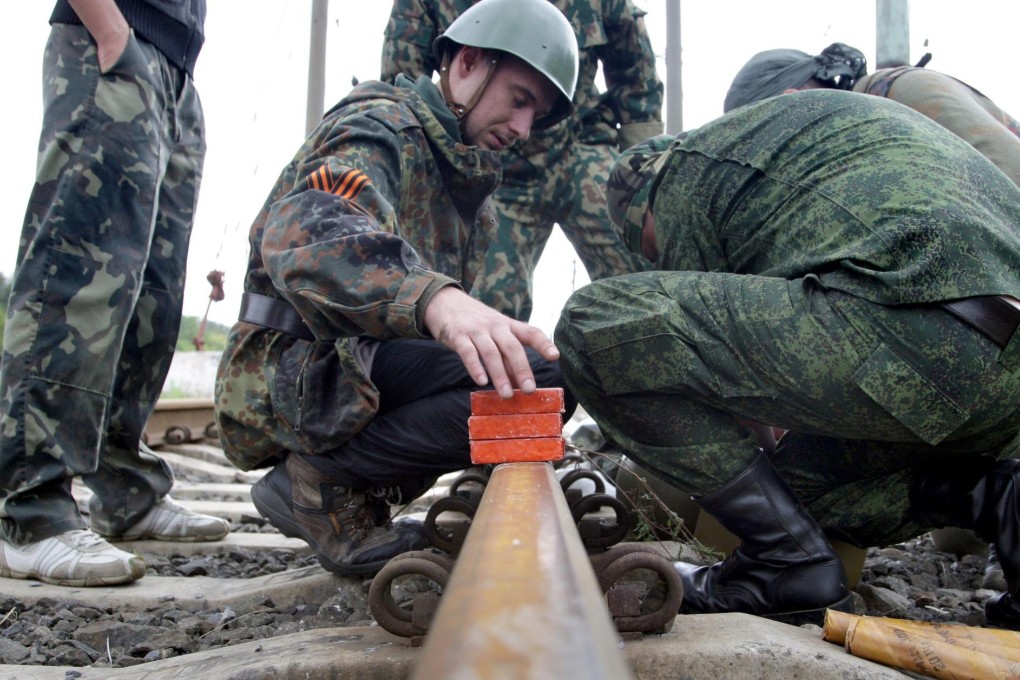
x=837, y=266
x=351, y=368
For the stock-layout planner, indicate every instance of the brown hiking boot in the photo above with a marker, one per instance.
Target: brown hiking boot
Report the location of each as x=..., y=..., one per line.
x=336, y=521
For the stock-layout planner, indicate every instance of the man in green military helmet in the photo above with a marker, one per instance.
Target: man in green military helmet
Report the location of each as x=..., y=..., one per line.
x=843, y=268
x=558, y=175
x=351, y=367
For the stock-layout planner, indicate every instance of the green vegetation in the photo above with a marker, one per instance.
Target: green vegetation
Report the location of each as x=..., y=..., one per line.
x=215, y=335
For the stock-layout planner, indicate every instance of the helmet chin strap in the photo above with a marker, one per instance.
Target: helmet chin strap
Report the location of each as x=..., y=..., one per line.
x=461, y=110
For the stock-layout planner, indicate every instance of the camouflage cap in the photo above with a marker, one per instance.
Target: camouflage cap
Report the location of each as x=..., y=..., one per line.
x=629, y=189
x=772, y=72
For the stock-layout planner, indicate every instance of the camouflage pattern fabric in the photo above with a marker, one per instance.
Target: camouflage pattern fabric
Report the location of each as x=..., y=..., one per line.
x=629, y=189
x=381, y=207
x=955, y=106
x=799, y=252
x=558, y=175
x=96, y=298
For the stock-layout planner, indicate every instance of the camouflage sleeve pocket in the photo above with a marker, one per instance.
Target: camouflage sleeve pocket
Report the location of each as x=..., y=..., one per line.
x=908, y=396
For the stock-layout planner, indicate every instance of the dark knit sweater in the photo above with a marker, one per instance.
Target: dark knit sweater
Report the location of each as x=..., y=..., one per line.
x=175, y=28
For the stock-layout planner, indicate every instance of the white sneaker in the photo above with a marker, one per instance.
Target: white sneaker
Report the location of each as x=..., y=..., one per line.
x=170, y=521
x=74, y=558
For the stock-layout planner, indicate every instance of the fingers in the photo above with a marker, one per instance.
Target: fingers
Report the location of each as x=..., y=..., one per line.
x=484, y=360
x=497, y=355
x=534, y=337
x=515, y=363
x=490, y=345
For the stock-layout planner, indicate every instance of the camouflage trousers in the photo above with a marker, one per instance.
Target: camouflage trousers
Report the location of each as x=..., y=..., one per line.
x=570, y=192
x=96, y=297
x=868, y=394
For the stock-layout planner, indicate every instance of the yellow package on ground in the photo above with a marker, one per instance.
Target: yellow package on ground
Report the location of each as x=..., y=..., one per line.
x=934, y=649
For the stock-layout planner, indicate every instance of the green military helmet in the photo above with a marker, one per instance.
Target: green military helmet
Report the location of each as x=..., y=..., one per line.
x=532, y=30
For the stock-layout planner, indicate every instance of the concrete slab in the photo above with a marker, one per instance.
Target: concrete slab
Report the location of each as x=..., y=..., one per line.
x=745, y=647
x=209, y=471
x=250, y=541
x=230, y=510
x=712, y=647
x=198, y=451
x=314, y=584
x=221, y=491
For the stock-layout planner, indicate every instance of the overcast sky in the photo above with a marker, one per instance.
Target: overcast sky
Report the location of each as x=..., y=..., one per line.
x=252, y=77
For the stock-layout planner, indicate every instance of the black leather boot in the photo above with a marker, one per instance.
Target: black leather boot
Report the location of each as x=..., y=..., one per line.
x=338, y=522
x=784, y=567
x=983, y=495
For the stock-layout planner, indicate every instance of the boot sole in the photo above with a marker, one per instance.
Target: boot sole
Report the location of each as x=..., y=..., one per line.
x=272, y=504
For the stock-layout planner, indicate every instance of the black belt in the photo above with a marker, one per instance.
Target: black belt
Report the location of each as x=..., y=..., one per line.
x=991, y=315
x=272, y=313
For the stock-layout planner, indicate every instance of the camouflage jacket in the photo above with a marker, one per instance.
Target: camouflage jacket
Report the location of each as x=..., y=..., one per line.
x=864, y=195
x=608, y=31
x=880, y=84
x=954, y=105
x=382, y=206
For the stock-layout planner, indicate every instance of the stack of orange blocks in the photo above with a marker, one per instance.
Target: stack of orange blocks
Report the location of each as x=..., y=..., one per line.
x=525, y=427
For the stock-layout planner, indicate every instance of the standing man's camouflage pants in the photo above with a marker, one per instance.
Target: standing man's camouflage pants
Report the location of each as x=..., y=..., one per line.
x=96, y=298
x=571, y=192
x=664, y=360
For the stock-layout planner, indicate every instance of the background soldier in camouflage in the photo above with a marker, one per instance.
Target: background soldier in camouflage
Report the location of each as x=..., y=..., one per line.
x=951, y=103
x=351, y=368
x=96, y=297
x=559, y=174
x=805, y=246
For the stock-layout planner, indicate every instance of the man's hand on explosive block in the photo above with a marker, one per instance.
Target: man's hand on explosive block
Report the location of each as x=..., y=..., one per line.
x=490, y=344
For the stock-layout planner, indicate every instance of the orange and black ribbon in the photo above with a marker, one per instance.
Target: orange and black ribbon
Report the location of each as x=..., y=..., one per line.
x=347, y=185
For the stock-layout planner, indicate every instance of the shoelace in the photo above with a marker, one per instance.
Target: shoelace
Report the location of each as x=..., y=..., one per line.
x=390, y=494
x=173, y=506
x=83, y=538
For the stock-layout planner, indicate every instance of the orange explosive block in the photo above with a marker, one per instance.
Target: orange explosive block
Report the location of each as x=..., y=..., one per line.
x=525, y=427
x=544, y=400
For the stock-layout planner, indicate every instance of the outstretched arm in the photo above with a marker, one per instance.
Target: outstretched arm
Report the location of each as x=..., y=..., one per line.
x=490, y=344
